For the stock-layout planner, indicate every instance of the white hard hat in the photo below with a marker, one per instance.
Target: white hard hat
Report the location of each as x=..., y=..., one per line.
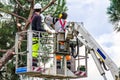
x=37, y=6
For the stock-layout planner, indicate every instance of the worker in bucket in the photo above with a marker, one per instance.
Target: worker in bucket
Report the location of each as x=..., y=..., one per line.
x=61, y=24
x=36, y=22
x=58, y=24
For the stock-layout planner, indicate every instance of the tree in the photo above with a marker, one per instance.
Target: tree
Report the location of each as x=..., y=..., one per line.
x=114, y=13
x=12, y=13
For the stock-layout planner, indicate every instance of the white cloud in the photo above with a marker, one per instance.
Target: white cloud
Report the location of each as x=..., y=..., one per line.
x=114, y=50
x=93, y=14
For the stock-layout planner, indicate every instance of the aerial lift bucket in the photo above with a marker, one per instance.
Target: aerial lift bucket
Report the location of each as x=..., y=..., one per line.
x=47, y=61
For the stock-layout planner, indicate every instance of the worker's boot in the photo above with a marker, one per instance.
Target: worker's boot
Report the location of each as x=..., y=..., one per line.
x=34, y=62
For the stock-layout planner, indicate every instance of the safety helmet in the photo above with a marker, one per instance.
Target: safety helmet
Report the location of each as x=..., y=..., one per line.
x=63, y=15
x=60, y=15
x=37, y=6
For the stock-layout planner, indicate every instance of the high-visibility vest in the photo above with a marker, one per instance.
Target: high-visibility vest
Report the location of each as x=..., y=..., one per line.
x=35, y=47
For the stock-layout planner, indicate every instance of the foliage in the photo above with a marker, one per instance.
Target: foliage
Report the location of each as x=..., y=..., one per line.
x=8, y=73
x=114, y=13
x=7, y=34
x=46, y=48
x=8, y=27
x=54, y=11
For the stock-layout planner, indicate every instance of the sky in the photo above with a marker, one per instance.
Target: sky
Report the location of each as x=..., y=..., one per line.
x=93, y=14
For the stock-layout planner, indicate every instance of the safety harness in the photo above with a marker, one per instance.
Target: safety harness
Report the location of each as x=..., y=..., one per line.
x=62, y=24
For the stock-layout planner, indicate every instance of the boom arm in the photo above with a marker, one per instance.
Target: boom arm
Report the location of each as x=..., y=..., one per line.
x=95, y=49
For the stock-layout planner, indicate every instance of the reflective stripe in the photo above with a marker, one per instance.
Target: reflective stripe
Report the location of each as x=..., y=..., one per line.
x=80, y=73
x=38, y=69
x=101, y=54
x=35, y=40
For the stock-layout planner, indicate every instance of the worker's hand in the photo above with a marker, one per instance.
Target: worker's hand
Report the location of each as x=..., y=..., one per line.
x=49, y=31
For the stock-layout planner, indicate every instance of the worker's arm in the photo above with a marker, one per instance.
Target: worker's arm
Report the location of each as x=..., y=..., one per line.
x=39, y=26
x=53, y=22
x=50, y=21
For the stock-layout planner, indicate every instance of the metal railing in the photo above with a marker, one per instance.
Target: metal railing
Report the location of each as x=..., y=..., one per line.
x=23, y=47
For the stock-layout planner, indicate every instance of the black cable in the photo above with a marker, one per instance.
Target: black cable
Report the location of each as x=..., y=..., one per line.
x=104, y=66
x=73, y=49
x=102, y=63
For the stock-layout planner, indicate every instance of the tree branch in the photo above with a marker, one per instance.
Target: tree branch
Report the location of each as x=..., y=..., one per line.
x=13, y=14
x=20, y=5
x=30, y=15
x=1, y=15
x=10, y=53
x=1, y=50
x=52, y=2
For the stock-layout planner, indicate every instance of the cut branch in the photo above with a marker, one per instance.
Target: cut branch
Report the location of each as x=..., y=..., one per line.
x=7, y=56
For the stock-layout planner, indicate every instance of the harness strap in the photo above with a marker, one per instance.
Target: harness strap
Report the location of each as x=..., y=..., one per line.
x=32, y=17
x=62, y=24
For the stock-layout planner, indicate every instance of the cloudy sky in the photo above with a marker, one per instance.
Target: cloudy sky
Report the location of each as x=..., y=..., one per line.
x=96, y=21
